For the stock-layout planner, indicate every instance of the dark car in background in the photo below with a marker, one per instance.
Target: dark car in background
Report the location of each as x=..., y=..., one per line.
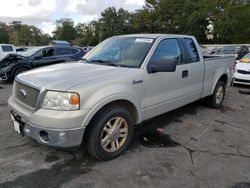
x=244, y=50
x=13, y=64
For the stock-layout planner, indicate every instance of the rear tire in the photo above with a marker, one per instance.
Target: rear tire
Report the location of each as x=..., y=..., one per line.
x=110, y=133
x=217, y=98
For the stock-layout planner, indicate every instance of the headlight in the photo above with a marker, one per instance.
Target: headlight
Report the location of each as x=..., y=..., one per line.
x=61, y=101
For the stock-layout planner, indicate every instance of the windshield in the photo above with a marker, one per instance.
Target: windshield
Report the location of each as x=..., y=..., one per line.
x=120, y=51
x=246, y=56
x=246, y=59
x=30, y=52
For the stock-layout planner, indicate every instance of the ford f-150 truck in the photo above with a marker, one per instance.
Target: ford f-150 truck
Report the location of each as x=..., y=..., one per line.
x=120, y=83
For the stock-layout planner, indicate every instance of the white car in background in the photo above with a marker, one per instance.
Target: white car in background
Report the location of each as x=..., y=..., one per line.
x=6, y=49
x=242, y=71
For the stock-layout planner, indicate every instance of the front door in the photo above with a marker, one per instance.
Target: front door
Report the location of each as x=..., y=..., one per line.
x=44, y=57
x=167, y=90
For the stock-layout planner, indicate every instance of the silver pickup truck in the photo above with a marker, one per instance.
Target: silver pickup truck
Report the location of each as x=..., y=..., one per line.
x=120, y=83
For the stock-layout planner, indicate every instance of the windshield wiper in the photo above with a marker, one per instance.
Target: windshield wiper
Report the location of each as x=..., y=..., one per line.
x=106, y=62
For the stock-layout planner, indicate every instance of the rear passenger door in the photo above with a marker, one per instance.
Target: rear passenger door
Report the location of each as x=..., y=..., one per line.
x=63, y=54
x=195, y=68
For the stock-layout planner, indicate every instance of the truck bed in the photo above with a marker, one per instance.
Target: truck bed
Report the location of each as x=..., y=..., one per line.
x=214, y=65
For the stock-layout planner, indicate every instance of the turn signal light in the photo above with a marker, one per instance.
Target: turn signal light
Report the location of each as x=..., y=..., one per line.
x=74, y=99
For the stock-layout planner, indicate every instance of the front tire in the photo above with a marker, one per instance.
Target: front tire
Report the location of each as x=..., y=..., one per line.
x=217, y=98
x=110, y=133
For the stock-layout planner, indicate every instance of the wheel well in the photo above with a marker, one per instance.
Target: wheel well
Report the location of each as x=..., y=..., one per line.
x=224, y=78
x=18, y=67
x=124, y=103
x=127, y=105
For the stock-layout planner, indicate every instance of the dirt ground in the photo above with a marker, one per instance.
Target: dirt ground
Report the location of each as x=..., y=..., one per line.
x=194, y=146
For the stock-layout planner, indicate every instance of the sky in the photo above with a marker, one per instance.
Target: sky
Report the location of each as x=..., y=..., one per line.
x=44, y=13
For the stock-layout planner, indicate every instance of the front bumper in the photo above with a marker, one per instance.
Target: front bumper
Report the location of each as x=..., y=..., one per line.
x=59, y=138
x=241, y=78
x=49, y=127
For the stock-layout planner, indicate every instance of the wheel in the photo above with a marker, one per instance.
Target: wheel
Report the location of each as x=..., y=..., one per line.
x=217, y=98
x=18, y=71
x=110, y=133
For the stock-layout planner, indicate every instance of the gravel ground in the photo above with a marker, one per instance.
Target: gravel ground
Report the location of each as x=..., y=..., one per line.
x=194, y=146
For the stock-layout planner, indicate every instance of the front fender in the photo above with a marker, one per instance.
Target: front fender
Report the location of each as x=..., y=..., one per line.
x=108, y=100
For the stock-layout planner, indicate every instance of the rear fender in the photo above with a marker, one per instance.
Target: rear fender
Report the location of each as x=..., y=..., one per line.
x=219, y=76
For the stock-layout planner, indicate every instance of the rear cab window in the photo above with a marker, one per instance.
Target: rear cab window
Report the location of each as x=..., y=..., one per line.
x=7, y=48
x=192, y=50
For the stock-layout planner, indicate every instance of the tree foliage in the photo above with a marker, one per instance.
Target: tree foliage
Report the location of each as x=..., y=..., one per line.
x=227, y=21
x=22, y=35
x=4, y=36
x=65, y=30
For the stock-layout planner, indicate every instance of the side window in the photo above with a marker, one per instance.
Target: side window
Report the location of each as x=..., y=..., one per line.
x=45, y=53
x=168, y=49
x=64, y=51
x=49, y=52
x=192, y=50
x=7, y=48
x=74, y=51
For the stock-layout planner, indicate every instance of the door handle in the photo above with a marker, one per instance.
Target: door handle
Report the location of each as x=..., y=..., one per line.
x=185, y=74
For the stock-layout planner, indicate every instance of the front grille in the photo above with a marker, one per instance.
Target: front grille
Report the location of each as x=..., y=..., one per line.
x=240, y=80
x=243, y=72
x=26, y=94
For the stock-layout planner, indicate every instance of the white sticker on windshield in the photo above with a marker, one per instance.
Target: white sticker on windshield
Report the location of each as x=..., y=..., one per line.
x=144, y=40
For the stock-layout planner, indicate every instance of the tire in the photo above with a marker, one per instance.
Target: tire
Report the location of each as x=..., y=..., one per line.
x=18, y=71
x=100, y=134
x=217, y=98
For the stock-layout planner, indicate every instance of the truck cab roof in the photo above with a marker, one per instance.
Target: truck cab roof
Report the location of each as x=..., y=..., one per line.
x=154, y=36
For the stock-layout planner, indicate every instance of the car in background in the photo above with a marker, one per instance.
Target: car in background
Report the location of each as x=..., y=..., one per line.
x=86, y=49
x=21, y=50
x=13, y=64
x=60, y=43
x=242, y=71
x=230, y=50
x=6, y=49
x=242, y=52
x=226, y=50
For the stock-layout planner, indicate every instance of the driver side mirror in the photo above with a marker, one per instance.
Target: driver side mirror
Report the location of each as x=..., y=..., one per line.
x=163, y=65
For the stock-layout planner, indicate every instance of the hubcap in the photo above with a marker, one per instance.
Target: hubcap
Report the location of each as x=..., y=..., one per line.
x=114, y=134
x=219, y=95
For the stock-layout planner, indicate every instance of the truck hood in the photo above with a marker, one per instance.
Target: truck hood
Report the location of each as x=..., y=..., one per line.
x=64, y=76
x=243, y=66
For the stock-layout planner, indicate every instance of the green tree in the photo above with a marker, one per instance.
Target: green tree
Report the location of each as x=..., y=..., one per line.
x=65, y=30
x=230, y=20
x=115, y=22
x=27, y=35
x=4, y=36
x=170, y=16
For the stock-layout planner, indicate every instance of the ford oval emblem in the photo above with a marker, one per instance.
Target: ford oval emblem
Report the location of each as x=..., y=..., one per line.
x=23, y=93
